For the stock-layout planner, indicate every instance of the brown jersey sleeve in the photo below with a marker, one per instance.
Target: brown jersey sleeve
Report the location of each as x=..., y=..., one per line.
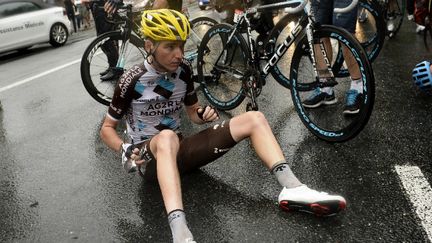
x=125, y=92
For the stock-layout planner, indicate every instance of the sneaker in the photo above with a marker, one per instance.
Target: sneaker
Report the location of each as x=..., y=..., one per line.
x=362, y=16
x=304, y=199
x=353, y=101
x=410, y=17
x=420, y=28
x=113, y=74
x=318, y=98
x=390, y=26
x=104, y=72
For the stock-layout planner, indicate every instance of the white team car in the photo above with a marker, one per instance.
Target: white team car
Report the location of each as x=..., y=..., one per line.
x=24, y=23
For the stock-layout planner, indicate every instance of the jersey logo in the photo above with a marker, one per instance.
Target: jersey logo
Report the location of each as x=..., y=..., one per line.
x=222, y=124
x=218, y=150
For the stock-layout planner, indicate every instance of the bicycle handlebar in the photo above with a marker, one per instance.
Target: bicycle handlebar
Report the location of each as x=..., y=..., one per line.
x=347, y=8
x=301, y=5
x=291, y=10
x=286, y=4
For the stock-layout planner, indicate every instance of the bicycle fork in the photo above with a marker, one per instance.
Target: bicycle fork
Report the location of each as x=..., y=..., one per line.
x=323, y=60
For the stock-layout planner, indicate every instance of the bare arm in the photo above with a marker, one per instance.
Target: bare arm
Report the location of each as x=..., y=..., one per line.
x=109, y=134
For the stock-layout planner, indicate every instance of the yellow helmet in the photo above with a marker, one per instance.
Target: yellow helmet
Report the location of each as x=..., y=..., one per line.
x=165, y=25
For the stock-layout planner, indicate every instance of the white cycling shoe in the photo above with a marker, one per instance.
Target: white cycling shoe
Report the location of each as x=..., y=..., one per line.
x=304, y=199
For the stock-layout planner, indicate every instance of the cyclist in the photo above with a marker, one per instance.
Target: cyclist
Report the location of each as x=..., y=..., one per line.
x=323, y=10
x=150, y=97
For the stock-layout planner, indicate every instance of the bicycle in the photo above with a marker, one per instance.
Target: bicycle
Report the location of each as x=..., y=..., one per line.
x=130, y=49
x=229, y=68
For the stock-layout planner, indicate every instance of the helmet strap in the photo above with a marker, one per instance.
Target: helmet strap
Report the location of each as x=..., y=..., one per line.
x=153, y=61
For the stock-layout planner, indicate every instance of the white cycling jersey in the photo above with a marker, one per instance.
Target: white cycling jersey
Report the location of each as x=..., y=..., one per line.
x=151, y=100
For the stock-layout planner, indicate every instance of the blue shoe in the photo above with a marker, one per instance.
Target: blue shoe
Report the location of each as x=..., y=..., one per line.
x=353, y=101
x=318, y=98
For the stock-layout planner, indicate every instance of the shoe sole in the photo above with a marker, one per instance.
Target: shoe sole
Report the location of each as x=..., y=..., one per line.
x=320, y=209
x=324, y=102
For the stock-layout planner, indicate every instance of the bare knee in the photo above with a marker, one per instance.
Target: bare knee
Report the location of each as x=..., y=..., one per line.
x=167, y=141
x=256, y=119
x=246, y=124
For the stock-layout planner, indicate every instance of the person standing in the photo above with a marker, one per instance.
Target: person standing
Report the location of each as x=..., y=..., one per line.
x=70, y=11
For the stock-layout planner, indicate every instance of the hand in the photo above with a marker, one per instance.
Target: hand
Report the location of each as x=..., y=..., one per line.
x=112, y=5
x=207, y=113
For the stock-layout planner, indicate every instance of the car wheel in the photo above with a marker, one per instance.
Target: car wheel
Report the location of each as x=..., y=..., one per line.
x=202, y=7
x=58, y=35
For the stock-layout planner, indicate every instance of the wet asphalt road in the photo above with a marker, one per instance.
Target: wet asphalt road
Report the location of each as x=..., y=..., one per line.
x=59, y=183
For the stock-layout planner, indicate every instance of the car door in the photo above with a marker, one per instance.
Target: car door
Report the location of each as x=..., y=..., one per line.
x=22, y=24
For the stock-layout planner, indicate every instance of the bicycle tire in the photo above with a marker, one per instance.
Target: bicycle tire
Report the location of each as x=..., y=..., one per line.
x=374, y=29
x=371, y=34
x=328, y=122
x=222, y=82
x=280, y=71
x=93, y=62
x=200, y=26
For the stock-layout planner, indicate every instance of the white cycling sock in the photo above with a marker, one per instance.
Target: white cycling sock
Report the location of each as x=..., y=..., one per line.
x=284, y=175
x=328, y=90
x=179, y=229
x=357, y=84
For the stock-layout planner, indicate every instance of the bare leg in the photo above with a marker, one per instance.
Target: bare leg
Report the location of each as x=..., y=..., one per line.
x=349, y=60
x=254, y=125
x=165, y=146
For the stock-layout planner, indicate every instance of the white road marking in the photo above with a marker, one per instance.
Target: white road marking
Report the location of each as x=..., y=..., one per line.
x=24, y=81
x=420, y=194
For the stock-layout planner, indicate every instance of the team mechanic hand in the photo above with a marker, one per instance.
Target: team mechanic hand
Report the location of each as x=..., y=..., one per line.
x=112, y=5
x=207, y=113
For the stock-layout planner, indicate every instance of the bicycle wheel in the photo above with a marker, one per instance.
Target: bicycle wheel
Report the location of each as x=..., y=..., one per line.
x=94, y=62
x=278, y=35
x=199, y=27
x=222, y=67
x=328, y=122
x=394, y=15
x=370, y=28
x=370, y=32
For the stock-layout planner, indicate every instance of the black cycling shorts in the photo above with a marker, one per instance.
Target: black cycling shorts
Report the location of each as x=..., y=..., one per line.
x=195, y=151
